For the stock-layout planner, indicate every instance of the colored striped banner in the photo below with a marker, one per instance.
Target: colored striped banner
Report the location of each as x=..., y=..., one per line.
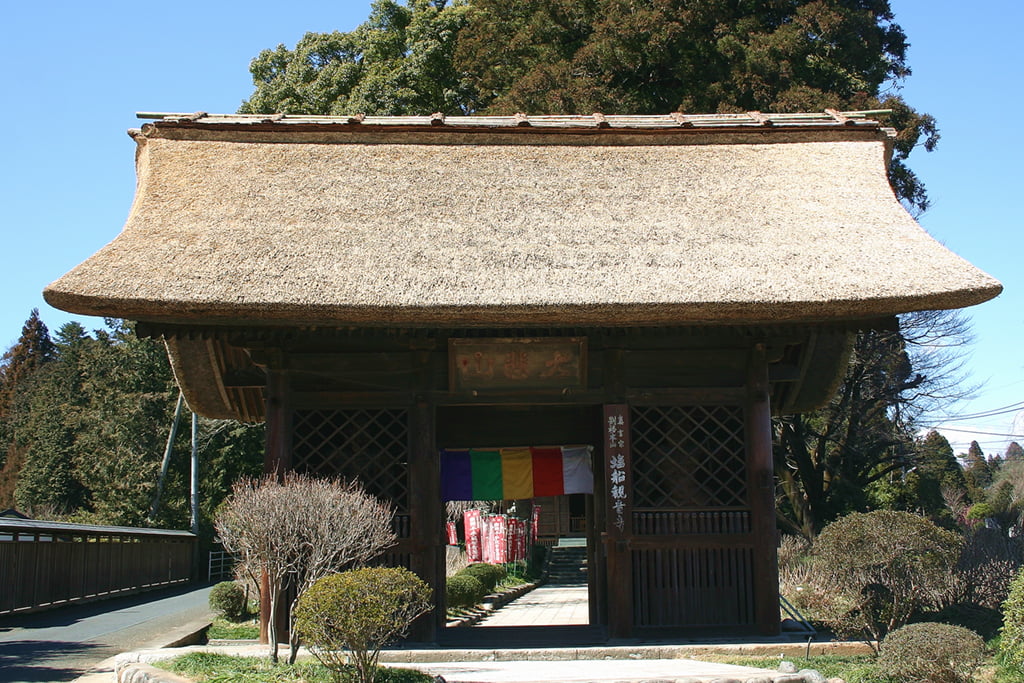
x=515, y=473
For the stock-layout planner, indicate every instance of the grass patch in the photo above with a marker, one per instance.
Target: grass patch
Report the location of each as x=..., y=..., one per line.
x=218, y=668
x=224, y=629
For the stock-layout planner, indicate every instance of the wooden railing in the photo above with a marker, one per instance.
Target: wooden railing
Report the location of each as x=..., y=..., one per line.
x=46, y=564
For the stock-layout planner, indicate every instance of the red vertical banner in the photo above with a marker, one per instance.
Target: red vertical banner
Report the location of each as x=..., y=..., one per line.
x=534, y=522
x=500, y=531
x=618, y=485
x=453, y=535
x=471, y=520
x=520, y=540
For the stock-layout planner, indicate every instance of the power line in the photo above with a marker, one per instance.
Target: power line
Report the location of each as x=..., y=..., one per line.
x=974, y=431
x=1012, y=408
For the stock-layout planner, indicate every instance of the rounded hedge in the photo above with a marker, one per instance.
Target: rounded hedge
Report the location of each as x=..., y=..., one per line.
x=887, y=564
x=931, y=653
x=228, y=598
x=464, y=590
x=350, y=616
x=490, y=575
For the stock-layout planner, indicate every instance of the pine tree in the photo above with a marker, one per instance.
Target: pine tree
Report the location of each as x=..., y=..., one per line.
x=977, y=472
x=18, y=365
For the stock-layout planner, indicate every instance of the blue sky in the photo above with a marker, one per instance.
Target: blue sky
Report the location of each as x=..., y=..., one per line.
x=77, y=72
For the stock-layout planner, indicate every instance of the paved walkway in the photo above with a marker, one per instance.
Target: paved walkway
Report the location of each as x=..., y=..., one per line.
x=544, y=606
x=63, y=643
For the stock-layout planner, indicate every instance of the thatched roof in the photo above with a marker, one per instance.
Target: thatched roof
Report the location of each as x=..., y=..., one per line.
x=421, y=221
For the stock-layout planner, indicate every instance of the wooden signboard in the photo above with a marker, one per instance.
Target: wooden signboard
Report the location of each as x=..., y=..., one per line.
x=517, y=364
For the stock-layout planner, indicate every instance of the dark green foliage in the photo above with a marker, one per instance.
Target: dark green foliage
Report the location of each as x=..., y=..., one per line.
x=978, y=472
x=463, y=590
x=228, y=598
x=397, y=62
x=931, y=653
x=89, y=428
x=18, y=368
x=490, y=575
x=1011, y=644
x=358, y=612
x=883, y=567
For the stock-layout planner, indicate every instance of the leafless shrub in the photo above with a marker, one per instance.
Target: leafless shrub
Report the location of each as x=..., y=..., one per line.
x=986, y=567
x=299, y=529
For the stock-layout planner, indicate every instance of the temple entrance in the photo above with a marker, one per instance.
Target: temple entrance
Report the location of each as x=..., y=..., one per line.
x=562, y=523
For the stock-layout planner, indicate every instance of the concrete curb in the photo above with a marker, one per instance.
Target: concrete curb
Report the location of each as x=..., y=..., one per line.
x=136, y=667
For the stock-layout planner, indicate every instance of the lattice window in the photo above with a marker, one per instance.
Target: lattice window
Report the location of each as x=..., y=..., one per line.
x=369, y=445
x=688, y=457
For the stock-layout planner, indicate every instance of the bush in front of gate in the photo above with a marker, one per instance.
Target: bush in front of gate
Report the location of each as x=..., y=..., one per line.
x=345, y=619
x=490, y=575
x=464, y=590
x=882, y=567
x=931, y=653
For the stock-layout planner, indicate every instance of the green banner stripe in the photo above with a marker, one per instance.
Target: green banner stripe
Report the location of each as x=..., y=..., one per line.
x=487, y=482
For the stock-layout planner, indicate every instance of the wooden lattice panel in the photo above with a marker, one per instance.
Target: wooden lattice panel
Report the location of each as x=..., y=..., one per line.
x=369, y=445
x=688, y=457
x=693, y=587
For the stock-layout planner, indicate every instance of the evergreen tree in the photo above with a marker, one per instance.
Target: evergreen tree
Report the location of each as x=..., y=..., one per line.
x=18, y=365
x=33, y=348
x=1013, y=452
x=978, y=472
x=397, y=62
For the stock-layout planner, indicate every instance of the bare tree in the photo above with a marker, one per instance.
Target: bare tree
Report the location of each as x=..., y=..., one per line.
x=297, y=530
x=825, y=460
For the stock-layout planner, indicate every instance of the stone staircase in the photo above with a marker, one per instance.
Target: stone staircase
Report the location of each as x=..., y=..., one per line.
x=567, y=565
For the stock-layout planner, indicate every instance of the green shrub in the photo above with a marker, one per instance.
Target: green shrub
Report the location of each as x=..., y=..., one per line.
x=882, y=567
x=463, y=590
x=228, y=598
x=359, y=612
x=931, y=653
x=1011, y=641
x=490, y=575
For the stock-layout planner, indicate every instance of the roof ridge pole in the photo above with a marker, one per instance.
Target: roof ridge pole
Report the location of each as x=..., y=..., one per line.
x=838, y=116
x=682, y=119
x=760, y=118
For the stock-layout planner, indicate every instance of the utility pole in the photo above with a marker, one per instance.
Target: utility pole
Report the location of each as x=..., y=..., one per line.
x=195, y=474
x=167, y=457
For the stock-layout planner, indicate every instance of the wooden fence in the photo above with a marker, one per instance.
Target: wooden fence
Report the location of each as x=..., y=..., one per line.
x=47, y=564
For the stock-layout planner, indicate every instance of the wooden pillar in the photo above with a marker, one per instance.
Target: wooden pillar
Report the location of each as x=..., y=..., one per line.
x=619, y=519
x=425, y=514
x=761, y=482
x=277, y=459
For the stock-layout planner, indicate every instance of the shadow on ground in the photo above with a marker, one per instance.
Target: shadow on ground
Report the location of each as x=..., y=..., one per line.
x=40, y=660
